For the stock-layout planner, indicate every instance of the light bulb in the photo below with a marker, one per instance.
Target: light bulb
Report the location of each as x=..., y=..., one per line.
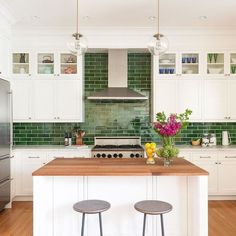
x=78, y=46
x=158, y=45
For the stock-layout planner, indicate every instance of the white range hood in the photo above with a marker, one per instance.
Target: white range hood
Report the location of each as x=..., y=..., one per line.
x=117, y=79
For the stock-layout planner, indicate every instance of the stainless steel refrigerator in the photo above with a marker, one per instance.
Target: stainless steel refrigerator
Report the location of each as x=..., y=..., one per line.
x=5, y=142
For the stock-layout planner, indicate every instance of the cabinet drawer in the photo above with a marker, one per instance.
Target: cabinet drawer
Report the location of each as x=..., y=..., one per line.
x=228, y=156
x=204, y=156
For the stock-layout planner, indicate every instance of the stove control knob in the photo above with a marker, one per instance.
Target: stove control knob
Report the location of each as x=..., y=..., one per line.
x=137, y=155
x=98, y=155
x=131, y=155
x=115, y=155
x=103, y=155
x=109, y=155
x=120, y=155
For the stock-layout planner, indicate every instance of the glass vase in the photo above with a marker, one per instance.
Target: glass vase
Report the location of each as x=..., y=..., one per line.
x=150, y=160
x=167, y=162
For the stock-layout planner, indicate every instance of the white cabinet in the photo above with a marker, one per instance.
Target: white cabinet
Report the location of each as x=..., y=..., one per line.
x=220, y=165
x=219, y=97
x=25, y=162
x=208, y=162
x=165, y=92
x=4, y=56
x=68, y=100
x=215, y=100
x=227, y=173
x=43, y=100
x=47, y=100
x=175, y=96
x=22, y=103
x=189, y=96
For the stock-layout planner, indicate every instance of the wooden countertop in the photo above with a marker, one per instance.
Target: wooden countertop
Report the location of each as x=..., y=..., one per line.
x=117, y=167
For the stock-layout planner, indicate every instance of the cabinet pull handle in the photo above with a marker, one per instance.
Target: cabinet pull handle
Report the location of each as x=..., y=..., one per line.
x=230, y=156
x=205, y=156
x=33, y=157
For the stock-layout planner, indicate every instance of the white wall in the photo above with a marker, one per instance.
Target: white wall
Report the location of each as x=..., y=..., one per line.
x=179, y=39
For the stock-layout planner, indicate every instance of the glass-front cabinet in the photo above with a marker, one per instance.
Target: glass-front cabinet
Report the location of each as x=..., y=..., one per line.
x=215, y=63
x=233, y=64
x=45, y=65
x=178, y=64
x=21, y=64
x=190, y=63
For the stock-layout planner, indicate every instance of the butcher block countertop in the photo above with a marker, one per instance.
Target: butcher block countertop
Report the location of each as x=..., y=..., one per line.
x=117, y=167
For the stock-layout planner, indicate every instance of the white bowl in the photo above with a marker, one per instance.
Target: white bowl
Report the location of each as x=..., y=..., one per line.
x=215, y=70
x=233, y=60
x=165, y=61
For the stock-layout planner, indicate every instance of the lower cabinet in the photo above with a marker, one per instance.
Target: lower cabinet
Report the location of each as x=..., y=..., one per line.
x=25, y=162
x=221, y=166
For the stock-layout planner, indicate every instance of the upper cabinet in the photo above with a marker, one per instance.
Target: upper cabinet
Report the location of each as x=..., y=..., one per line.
x=170, y=65
x=204, y=82
x=45, y=65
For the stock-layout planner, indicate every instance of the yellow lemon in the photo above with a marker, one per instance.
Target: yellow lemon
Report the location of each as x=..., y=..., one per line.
x=147, y=145
x=149, y=151
x=153, y=145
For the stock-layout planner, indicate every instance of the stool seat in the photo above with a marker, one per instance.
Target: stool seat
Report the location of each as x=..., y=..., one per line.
x=153, y=207
x=91, y=206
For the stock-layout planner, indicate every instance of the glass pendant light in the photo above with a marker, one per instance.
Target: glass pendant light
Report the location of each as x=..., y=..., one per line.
x=159, y=44
x=79, y=45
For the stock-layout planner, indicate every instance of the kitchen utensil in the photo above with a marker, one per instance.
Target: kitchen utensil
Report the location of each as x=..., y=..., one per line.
x=210, y=56
x=194, y=60
x=22, y=57
x=167, y=70
x=162, y=71
x=189, y=59
x=196, y=142
x=212, y=140
x=172, y=71
x=226, y=139
x=184, y=60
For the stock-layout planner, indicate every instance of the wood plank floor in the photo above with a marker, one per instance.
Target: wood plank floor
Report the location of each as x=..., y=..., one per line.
x=18, y=220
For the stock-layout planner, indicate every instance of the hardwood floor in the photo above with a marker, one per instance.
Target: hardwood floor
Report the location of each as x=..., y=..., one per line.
x=18, y=220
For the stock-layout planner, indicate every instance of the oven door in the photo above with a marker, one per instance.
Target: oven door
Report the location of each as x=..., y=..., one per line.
x=5, y=188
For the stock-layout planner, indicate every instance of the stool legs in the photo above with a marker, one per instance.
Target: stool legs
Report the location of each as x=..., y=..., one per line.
x=100, y=223
x=162, y=225
x=144, y=223
x=82, y=227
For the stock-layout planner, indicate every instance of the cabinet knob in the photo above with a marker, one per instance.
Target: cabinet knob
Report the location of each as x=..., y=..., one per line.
x=29, y=118
x=55, y=118
x=58, y=118
x=29, y=74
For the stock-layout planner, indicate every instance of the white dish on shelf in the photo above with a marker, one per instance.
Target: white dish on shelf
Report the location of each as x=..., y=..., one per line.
x=165, y=61
x=233, y=60
x=188, y=72
x=215, y=70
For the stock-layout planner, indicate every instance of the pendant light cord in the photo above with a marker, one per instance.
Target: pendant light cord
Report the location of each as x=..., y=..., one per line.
x=158, y=17
x=77, y=18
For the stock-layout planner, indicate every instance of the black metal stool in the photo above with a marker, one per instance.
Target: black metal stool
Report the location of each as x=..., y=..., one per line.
x=91, y=207
x=153, y=207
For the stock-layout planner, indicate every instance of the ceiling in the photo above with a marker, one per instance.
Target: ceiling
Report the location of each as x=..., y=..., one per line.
x=122, y=13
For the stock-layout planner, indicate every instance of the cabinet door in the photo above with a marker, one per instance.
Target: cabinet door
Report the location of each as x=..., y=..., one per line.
x=22, y=90
x=189, y=96
x=227, y=174
x=27, y=163
x=165, y=96
x=215, y=100
x=43, y=100
x=68, y=100
x=232, y=99
x=208, y=162
x=4, y=54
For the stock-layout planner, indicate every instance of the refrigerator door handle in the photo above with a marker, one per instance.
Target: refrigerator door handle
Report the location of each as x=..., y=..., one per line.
x=11, y=118
x=4, y=157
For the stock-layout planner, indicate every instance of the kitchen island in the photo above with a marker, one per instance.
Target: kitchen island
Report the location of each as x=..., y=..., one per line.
x=122, y=182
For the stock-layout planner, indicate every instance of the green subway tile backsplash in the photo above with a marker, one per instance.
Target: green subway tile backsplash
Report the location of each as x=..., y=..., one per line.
x=111, y=118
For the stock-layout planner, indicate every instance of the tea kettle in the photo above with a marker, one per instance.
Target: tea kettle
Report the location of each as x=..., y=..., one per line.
x=226, y=139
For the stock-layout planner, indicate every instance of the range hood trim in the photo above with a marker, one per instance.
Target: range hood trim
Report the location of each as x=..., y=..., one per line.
x=111, y=94
x=117, y=79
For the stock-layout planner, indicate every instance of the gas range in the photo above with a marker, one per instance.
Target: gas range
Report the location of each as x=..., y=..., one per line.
x=117, y=147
